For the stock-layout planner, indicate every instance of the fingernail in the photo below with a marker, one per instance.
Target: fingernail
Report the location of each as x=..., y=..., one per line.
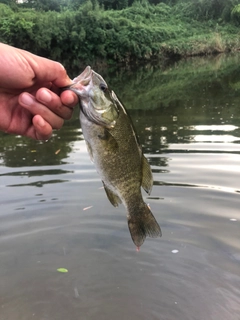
x=71, y=99
x=41, y=122
x=27, y=99
x=61, y=65
x=46, y=96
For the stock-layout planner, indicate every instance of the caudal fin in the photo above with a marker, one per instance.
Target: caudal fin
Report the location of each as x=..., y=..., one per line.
x=143, y=224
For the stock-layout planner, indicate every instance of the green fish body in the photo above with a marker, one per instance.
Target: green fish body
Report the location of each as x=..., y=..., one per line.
x=116, y=153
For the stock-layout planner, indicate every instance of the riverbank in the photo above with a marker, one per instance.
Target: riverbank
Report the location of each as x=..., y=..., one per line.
x=92, y=35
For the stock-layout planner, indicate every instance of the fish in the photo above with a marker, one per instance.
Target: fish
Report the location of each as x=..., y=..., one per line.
x=114, y=149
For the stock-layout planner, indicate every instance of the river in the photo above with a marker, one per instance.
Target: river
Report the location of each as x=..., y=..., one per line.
x=55, y=214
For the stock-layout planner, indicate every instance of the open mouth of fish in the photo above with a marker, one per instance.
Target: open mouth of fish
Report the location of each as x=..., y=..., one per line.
x=81, y=81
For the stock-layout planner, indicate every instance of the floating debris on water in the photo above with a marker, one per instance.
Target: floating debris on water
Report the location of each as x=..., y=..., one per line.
x=233, y=219
x=154, y=198
x=76, y=293
x=175, y=251
x=87, y=208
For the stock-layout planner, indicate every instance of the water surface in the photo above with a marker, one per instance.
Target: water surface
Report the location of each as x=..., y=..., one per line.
x=55, y=214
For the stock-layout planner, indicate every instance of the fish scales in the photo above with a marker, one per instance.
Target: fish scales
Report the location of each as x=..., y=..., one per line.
x=116, y=153
x=117, y=168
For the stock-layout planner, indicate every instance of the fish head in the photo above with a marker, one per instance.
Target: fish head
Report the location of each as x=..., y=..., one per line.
x=96, y=100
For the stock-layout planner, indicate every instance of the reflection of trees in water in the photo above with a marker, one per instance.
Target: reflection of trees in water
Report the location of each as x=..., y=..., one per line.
x=172, y=101
x=165, y=103
x=151, y=87
x=177, y=124
x=17, y=151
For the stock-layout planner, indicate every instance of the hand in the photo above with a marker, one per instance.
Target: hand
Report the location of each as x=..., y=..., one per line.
x=30, y=104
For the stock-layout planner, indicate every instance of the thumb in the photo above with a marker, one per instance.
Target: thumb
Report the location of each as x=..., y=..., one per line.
x=47, y=70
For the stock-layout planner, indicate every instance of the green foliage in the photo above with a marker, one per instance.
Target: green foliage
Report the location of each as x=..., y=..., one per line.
x=12, y=4
x=115, y=4
x=5, y=10
x=235, y=13
x=45, y=5
x=77, y=32
x=206, y=9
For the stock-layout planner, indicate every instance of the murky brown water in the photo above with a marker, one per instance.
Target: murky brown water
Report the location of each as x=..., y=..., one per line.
x=55, y=214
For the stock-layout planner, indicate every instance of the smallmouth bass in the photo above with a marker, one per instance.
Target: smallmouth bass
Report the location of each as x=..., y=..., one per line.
x=114, y=149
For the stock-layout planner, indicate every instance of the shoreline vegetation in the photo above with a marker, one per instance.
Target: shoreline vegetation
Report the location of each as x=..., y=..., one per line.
x=109, y=32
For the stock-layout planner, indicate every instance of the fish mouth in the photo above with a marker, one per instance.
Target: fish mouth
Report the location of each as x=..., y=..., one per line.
x=80, y=81
x=84, y=76
x=84, y=80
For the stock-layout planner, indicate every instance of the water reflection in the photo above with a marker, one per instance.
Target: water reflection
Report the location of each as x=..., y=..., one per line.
x=195, y=96
x=54, y=212
x=33, y=173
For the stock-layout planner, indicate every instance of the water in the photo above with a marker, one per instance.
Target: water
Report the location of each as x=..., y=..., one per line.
x=55, y=214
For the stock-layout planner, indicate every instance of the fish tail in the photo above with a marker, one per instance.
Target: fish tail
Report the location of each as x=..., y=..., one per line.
x=143, y=224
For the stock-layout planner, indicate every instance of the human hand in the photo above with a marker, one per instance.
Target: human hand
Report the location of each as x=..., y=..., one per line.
x=30, y=104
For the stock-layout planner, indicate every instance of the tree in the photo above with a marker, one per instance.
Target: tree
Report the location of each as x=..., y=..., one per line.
x=11, y=3
x=115, y=4
x=43, y=5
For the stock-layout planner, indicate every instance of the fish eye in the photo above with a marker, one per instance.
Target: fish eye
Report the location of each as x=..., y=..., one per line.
x=103, y=87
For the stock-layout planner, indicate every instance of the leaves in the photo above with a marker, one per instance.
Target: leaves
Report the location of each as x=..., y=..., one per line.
x=83, y=31
x=62, y=270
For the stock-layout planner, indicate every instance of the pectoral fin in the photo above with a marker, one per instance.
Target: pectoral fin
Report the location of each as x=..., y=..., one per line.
x=110, y=143
x=112, y=197
x=147, y=178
